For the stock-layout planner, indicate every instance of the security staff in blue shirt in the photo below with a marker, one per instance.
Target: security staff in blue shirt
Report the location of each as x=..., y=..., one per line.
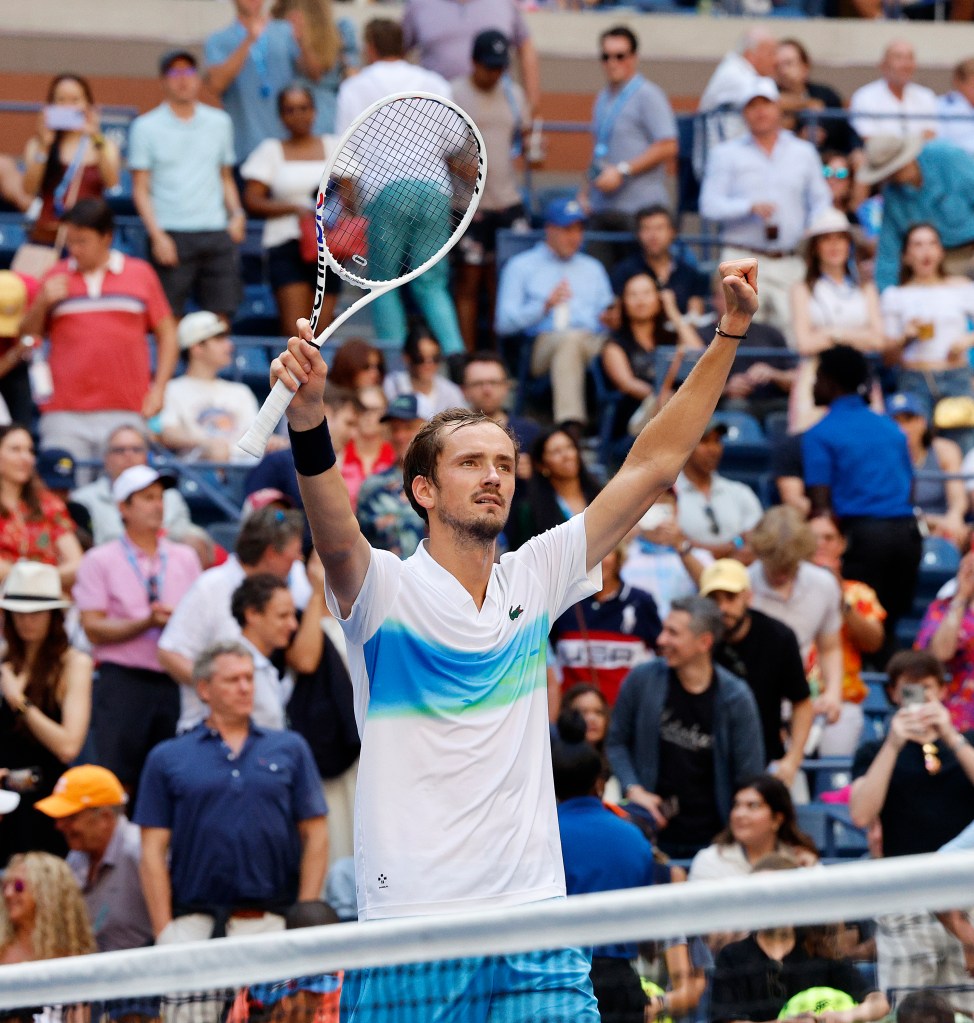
x=857, y=466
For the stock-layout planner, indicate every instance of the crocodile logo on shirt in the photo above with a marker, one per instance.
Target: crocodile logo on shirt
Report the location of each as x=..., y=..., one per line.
x=515, y=613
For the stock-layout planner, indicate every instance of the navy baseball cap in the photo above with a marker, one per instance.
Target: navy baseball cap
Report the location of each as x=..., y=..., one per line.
x=167, y=60
x=55, y=466
x=403, y=406
x=491, y=49
x=905, y=404
x=564, y=212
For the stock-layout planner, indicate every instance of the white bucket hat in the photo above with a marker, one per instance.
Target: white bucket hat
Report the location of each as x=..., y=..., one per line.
x=32, y=586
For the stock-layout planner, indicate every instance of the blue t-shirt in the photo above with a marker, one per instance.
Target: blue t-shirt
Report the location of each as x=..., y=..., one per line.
x=251, y=98
x=863, y=458
x=233, y=817
x=185, y=159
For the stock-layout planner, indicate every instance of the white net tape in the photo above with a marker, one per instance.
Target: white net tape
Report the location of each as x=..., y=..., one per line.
x=853, y=891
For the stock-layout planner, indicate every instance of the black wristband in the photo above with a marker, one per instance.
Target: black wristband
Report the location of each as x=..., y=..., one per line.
x=733, y=337
x=312, y=450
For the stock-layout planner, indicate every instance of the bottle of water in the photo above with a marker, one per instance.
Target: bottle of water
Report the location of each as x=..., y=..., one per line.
x=39, y=373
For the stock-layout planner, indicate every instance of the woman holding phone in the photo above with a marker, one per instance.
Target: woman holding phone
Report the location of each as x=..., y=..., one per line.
x=68, y=158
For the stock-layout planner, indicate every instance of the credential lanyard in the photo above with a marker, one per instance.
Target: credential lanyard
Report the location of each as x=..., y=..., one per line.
x=607, y=113
x=152, y=584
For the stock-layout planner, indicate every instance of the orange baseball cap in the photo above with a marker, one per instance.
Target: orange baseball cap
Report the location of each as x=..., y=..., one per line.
x=80, y=788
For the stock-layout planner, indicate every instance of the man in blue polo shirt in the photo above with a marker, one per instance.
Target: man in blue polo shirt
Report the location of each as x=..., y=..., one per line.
x=237, y=809
x=859, y=469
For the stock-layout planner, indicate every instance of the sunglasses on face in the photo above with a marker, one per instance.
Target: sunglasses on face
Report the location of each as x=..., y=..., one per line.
x=129, y=449
x=181, y=72
x=17, y=884
x=606, y=57
x=429, y=360
x=839, y=173
x=374, y=364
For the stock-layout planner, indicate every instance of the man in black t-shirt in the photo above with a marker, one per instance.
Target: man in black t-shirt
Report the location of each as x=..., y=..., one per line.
x=764, y=653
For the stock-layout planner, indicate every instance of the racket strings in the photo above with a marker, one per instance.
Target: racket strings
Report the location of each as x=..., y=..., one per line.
x=407, y=175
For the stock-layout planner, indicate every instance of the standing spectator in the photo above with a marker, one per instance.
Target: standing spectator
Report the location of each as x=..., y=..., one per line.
x=98, y=309
x=368, y=450
x=555, y=295
x=229, y=857
x=88, y=808
x=17, y=291
x=764, y=653
x=181, y=155
x=281, y=178
x=765, y=188
x=46, y=688
x=911, y=109
x=685, y=732
x=800, y=99
x=247, y=65
x=601, y=639
x=387, y=519
x=444, y=33
x=635, y=138
x=930, y=183
x=487, y=388
x=955, y=123
x=735, y=75
x=79, y=162
x=126, y=446
x=499, y=109
x=13, y=198
x=394, y=237
x=857, y=465
x=715, y=513
x=203, y=416
x=333, y=44
x=422, y=378
x=126, y=591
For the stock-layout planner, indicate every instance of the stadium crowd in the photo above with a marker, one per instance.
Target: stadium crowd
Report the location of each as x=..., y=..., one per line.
x=178, y=741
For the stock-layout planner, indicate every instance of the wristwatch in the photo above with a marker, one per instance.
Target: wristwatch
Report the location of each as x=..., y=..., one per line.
x=624, y=168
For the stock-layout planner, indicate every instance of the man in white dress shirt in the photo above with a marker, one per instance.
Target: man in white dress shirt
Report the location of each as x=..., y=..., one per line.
x=764, y=189
x=915, y=106
x=956, y=109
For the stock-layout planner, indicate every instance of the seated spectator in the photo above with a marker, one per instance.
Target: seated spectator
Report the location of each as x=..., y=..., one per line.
x=555, y=296
x=956, y=112
x=786, y=586
x=838, y=173
x=67, y=158
x=126, y=446
x=921, y=183
x=269, y=541
x=88, y=808
x=17, y=291
x=34, y=524
x=422, y=376
x=656, y=234
x=46, y=707
x=924, y=1007
x=646, y=317
x=97, y=309
x=603, y=637
x=947, y=633
x=357, y=364
x=926, y=320
x=281, y=179
x=42, y=915
x=829, y=307
x=203, y=416
x=757, y=976
x=56, y=469
x=126, y=590
x=587, y=700
x=800, y=99
x=560, y=486
x=715, y=513
x=895, y=93
x=943, y=502
x=368, y=449
x=685, y=732
x=388, y=518
x=862, y=613
x=13, y=198
x=762, y=822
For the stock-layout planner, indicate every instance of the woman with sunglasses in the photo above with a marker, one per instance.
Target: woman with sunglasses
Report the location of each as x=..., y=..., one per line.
x=357, y=364
x=423, y=358
x=46, y=700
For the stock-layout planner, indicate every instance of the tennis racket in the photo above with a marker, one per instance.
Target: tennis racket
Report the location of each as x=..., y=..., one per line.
x=396, y=195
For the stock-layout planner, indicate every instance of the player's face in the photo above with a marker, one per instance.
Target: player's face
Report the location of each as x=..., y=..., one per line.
x=17, y=458
x=475, y=474
x=277, y=623
x=733, y=607
x=678, y=644
x=230, y=692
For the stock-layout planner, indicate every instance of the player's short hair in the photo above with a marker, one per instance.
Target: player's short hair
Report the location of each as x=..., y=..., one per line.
x=385, y=37
x=93, y=213
x=270, y=527
x=205, y=665
x=621, y=32
x=424, y=449
x=254, y=594
x=704, y=615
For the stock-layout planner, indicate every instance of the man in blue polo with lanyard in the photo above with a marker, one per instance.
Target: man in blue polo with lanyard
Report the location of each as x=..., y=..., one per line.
x=635, y=134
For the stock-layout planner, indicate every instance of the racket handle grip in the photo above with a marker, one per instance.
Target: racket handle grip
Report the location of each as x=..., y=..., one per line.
x=254, y=441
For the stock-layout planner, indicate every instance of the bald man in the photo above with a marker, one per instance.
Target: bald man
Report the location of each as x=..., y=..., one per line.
x=894, y=104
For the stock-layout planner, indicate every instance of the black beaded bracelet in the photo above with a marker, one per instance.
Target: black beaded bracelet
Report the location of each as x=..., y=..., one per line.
x=312, y=450
x=733, y=337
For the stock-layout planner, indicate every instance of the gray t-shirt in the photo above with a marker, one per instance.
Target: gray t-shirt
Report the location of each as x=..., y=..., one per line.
x=644, y=117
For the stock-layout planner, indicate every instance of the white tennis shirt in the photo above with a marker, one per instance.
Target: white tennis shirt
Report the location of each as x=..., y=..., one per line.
x=455, y=805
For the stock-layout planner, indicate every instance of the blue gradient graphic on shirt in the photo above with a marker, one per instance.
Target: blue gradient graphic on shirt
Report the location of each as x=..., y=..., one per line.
x=403, y=669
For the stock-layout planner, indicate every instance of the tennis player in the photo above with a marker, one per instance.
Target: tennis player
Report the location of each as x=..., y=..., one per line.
x=455, y=809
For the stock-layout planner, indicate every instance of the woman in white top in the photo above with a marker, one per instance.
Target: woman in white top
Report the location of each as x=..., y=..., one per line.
x=927, y=321
x=423, y=359
x=281, y=181
x=829, y=307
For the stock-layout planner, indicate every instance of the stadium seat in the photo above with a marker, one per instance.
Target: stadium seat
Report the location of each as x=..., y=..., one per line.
x=742, y=428
x=831, y=828
x=940, y=557
x=776, y=426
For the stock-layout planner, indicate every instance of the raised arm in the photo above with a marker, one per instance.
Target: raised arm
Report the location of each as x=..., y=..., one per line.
x=338, y=539
x=666, y=442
